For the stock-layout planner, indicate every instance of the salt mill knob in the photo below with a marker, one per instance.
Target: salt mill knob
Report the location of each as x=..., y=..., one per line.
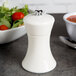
x=39, y=58
x=38, y=12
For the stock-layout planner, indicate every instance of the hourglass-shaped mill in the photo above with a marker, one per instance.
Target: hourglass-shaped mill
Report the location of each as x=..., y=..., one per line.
x=39, y=58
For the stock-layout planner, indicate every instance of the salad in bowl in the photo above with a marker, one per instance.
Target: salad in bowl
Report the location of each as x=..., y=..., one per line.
x=11, y=23
x=12, y=18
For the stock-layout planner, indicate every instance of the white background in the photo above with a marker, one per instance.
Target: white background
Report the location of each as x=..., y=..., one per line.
x=50, y=6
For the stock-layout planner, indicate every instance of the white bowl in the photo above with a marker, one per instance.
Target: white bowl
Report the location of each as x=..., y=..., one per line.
x=12, y=34
x=71, y=26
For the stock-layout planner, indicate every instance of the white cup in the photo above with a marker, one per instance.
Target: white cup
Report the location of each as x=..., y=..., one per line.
x=70, y=26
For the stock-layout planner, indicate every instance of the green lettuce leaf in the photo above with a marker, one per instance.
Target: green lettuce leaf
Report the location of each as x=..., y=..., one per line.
x=5, y=22
x=16, y=23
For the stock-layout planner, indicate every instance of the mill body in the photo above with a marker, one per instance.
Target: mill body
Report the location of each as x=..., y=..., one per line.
x=39, y=58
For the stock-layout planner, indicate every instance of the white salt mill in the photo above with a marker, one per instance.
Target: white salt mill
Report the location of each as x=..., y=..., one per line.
x=39, y=58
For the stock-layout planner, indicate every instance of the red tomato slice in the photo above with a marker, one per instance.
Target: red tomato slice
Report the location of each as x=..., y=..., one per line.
x=3, y=27
x=17, y=16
